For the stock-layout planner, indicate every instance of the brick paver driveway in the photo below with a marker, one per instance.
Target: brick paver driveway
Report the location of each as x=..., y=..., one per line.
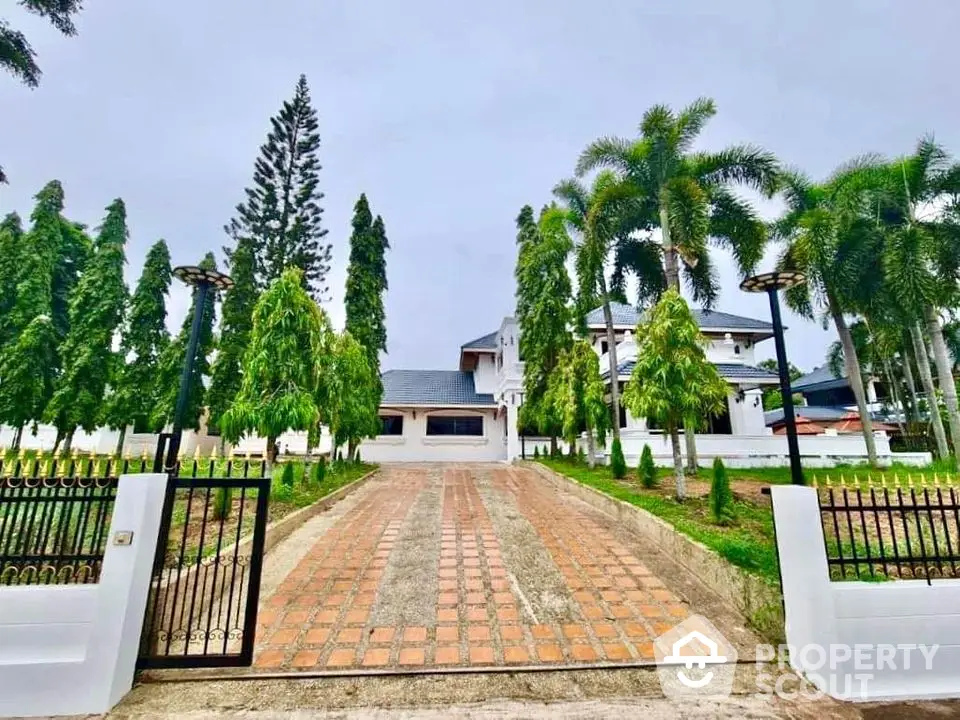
x=464, y=565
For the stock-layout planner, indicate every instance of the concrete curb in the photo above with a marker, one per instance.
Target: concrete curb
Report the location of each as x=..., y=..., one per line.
x=754, y=598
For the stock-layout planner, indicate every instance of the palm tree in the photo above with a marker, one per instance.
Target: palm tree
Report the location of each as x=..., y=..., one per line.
x=602, y=217
x=829, y=238
x=690, y=196
x=922, y=255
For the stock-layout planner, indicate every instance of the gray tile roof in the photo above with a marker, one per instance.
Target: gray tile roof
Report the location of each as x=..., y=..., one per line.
x=486, y=342
x=626, y=315
x=436, y=388
x=820, y=379
x=726, y=370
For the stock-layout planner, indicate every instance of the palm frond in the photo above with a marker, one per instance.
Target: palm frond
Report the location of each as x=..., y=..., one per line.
x=746, y=165
x=691, y=121
x=575, y=195
x=607, y=152
x=735, y=225
x=688, y=213
x=701, y=280
x=643, y=259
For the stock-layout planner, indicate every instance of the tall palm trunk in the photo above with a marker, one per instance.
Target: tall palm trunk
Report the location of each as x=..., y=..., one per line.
x=612, y=357
x=681, y=481
x=900, y=407
x=926, y=379
x=947, y=385
x=68, y=441
x=852, y=363
x=671, y=267
x=17, y=438
x=911, y=385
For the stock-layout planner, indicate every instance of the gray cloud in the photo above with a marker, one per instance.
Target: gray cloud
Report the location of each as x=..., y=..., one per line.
x=450, y=116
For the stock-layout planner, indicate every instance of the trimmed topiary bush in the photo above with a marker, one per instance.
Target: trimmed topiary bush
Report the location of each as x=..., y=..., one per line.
x=320, y=470
x=721, y=497
x=222, y=503
x=646, y=469
x=581, y=456
x=286, y=476
x=536, y=452
x=618, y=464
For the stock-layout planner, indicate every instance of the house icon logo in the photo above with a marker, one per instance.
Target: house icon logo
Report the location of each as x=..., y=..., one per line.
x=695, y=660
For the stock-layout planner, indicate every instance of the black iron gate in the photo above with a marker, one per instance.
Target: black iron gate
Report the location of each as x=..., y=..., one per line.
x=202, y=609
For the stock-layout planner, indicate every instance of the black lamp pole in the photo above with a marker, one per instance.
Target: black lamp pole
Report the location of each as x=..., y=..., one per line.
x=204, y=281
x=771, y=283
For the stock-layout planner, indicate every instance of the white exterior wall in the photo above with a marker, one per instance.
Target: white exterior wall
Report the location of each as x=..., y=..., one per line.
x=721, y=349
x=861, y=616
x=767, y=450
x=71, y=649
x=485, y=376
x=416, y=446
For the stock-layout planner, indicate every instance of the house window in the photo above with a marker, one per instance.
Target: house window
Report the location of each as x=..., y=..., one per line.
x=392, y=424
x=604, y=346
x=455, y=425
x=736, y=349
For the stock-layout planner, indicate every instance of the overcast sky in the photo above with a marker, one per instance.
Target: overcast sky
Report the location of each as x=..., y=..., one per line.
x=451, y=116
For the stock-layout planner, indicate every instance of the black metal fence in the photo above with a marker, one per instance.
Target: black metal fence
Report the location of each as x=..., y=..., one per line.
x=202, y=608
x=891, y=531
x=54, y=521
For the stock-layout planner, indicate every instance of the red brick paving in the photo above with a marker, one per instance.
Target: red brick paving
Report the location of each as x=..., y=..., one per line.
x=319, y=616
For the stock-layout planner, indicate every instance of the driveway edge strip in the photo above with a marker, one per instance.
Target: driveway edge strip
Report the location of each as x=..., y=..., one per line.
x=748, y=595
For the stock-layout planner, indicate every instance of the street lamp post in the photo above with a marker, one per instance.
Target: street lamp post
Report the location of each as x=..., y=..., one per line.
x=203, y=280
x=770, y=283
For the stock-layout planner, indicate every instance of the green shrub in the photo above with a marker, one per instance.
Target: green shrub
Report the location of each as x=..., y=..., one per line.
x=581, y=456
x=618, y=465
x=572, y=452
x=222, y=503
x=536, y=452
x=320, y=470
x=721, y=497
x=646, y=469
x=286, y=476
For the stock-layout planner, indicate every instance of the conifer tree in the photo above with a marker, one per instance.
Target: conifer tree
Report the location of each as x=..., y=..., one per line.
x=238, y=304
x=28, y=361
x=11, y=245
x=281, y=214
x=135, y=388
x=366, y=282
x=96, y=311
x=171, y=363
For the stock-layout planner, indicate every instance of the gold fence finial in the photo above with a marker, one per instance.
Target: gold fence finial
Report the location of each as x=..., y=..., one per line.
x=196, y=452
x=829, y=484
x=843, y=482
x=213, y=453
x=815, y=486
x=883, y=480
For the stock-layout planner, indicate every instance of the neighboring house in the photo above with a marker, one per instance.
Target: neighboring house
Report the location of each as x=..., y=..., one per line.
x=731, y=340
x=814, y=420
x=822, y=388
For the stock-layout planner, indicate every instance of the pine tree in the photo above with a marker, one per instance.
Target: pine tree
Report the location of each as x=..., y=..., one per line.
x=235, y=329
x=11, y=246
x=366, y=282
x=96, y=311
x=135, y=387
x=281, y=214
x=28, y=361
x=171, y=363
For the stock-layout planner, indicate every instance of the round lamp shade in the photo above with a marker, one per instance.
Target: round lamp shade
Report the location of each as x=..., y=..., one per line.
x=193, y=275
x=772, y=281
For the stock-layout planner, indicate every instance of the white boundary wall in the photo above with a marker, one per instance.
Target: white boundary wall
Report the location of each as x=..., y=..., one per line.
x=71, y=649
x=824, y=613
x=767, y=450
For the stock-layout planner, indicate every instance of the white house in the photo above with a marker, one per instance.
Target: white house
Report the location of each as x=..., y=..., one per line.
x=470, y=414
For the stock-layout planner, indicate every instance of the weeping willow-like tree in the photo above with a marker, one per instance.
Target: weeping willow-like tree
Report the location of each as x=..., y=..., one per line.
x=576, y=393
x=283, y=367
x=690, y=196
x=672, y=379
